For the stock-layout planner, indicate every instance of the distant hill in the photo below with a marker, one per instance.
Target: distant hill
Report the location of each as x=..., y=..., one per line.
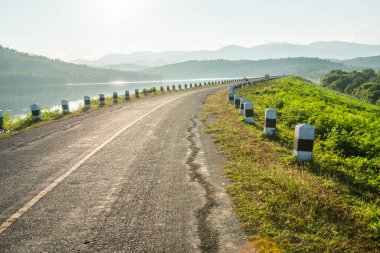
x=368, y=62
x=22, y=68
x=327, y=50
x=307, y=67
x=126, y=67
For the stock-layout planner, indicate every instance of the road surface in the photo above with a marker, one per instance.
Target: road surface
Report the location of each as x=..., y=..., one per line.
x=135, y=177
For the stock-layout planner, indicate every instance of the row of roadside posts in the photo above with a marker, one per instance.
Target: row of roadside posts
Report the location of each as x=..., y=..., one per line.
x=36, y=110
x=303, y=135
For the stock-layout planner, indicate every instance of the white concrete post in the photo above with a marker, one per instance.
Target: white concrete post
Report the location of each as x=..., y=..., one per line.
x=231, y=97
x=126, y=93
x=303, y=142
x=270, y=121
x=1, y=120
x=36, y=111
x=191, y=86
x=242, y=101
x=115, y=97
x=179, y=87
x=162, y=88
x=248, y=112
x=145, y=92
x=168, y=88
x=173, y=87
x=237, y=101
x=102, y=100
x=87, y=102
x=65, y=106
x=137, y=93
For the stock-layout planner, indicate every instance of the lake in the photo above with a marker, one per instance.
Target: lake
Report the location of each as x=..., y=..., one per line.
x=16, y=99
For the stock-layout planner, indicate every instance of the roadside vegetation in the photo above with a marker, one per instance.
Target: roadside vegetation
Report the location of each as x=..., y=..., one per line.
x=328, y=205
x=364, y=85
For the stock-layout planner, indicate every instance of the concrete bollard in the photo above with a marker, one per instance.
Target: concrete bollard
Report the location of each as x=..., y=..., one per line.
x=242, y=101
x=137, y=93
x=237, y=101
x=115, y=97
x=36, y=111
x=191, y=86
x=145, y=92
x=195, y=85
x=270, y=121
x=173, y=87
x=248, y=112
x=168, y=88
x=200, y=84
x=87, y=102
x=65, y=106
x=127, y=95
x=154, y=90
x=303, y=142
x=1, y=120
x=185, y=86
x=179, y=87
x=231, y=97
x=162, y=88
x=102, y=100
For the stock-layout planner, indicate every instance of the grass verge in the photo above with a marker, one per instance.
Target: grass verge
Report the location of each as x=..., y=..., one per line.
x=282, y=202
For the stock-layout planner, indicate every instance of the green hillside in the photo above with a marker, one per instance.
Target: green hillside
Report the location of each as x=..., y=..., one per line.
x=20, y=68
x=367, y=62
x=328, y=205
x=364, y=85
x=309, y=67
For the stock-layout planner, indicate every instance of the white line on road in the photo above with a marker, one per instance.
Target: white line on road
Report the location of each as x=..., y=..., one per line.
x=40, y=195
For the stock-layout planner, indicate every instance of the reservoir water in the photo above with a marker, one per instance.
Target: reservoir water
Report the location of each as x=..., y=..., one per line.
x=16, y=99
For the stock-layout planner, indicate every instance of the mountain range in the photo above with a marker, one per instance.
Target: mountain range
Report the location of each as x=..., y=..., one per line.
x=326, y=50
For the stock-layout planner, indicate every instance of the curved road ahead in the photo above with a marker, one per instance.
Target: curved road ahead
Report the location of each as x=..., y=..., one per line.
x=134, y=177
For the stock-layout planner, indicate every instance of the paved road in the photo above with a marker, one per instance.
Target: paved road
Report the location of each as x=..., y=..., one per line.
x=136, y=177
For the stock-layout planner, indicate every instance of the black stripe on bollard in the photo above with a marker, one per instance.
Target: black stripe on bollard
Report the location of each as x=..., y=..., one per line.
x=303, y=145
x=36, y=112
x=87, y=102
x=249, y=113
x=270, y=123
x=237, y=103
x=65, y=107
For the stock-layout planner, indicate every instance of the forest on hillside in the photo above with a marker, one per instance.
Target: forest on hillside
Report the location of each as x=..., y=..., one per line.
x=313, y=68
x=25, y=69
x=364, y=85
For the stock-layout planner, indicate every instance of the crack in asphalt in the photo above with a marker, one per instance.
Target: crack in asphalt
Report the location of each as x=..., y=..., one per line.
x=209, y=237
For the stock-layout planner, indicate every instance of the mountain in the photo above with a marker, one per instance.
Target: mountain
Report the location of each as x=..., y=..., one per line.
x=308, y=67
x=368, y=62
x=22, y=68
x=330, y=50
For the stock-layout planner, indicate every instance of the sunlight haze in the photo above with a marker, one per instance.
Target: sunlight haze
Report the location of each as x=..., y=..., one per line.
x=89, y=29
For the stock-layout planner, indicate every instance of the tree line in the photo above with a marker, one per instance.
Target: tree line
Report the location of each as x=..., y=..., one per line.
x=364, y=84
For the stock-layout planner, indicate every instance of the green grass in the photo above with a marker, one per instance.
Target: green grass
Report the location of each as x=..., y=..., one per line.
x=296, y=206
x=347, y=142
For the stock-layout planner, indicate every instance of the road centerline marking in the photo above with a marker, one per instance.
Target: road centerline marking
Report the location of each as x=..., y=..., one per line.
x=6, y=224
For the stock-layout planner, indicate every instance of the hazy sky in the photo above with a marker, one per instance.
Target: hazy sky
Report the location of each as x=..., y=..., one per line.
x=71, y=29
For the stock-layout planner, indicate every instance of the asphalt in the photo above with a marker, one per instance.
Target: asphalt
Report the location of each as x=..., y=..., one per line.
x=146, y=178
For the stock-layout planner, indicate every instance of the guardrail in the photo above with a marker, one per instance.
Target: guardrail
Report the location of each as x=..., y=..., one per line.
x=37, y=115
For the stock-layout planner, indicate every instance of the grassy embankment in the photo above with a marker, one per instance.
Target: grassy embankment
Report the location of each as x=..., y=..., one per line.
x=13, y=127
x=329, y=205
